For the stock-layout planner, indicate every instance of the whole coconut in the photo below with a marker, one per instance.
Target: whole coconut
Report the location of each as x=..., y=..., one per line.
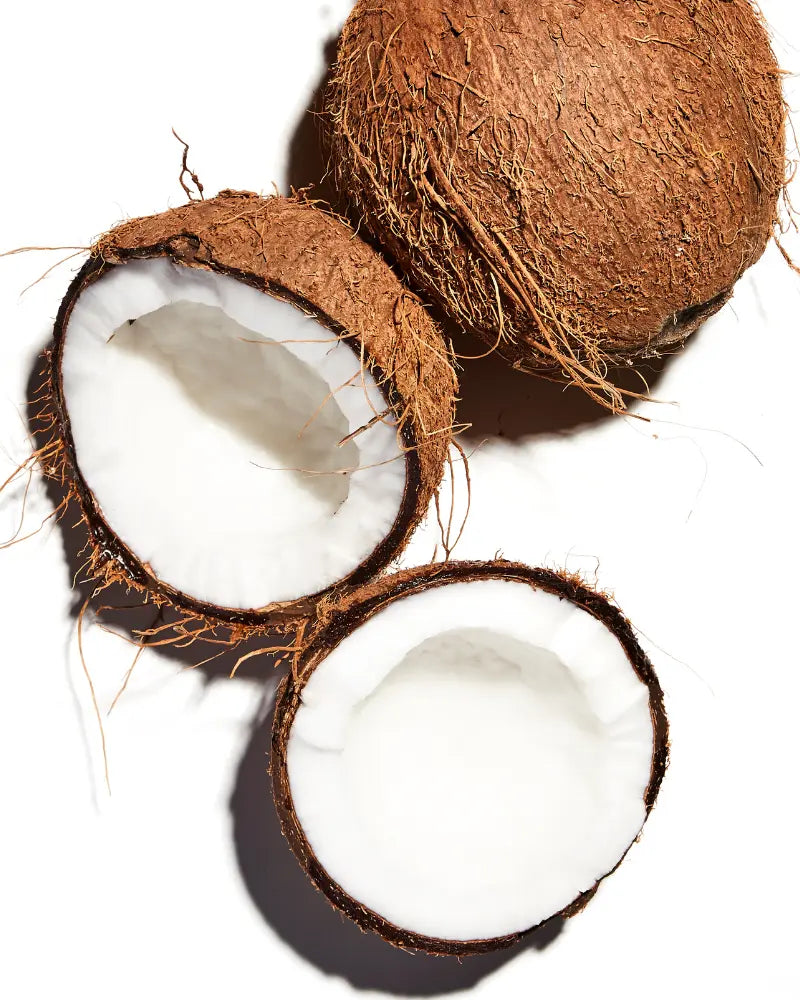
x=580, y=182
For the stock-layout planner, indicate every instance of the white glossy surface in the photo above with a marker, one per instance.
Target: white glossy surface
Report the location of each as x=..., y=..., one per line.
x=208, y=430
x=472, y=759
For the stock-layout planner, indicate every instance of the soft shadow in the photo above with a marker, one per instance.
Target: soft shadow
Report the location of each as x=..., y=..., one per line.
x=256, y=388
x=304, y=919
x=307, y=158
x=124, y=611
x=498, y=401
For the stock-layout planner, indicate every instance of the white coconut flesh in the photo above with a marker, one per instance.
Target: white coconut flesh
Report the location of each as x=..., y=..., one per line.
x=207, y=418
x=471, y=759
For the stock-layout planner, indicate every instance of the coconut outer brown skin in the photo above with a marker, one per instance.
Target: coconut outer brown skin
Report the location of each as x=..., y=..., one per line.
x=337, y=622
x=289, y=249
x=580, y=182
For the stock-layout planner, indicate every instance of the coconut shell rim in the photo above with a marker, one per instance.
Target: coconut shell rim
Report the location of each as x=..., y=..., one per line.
x=359, y=609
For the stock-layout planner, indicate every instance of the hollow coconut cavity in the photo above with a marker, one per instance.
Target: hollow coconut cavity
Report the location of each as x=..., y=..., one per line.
x=465, y=751
x=579, y=183
x=249, y=407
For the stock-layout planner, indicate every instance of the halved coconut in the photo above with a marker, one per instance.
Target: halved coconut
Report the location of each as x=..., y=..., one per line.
x=465, y=751
x=248, y=405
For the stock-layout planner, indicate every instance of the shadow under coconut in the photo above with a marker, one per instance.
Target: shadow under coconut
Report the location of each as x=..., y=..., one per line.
x=124, y=611
x=306, y=160
x=302, y=917
x=497, y=401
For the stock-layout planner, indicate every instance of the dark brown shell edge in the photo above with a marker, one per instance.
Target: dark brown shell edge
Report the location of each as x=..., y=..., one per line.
x=110, y=560
x=354, y=612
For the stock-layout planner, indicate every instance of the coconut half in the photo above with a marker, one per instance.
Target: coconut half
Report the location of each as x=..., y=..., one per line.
x=249, y=407
x=465, y=751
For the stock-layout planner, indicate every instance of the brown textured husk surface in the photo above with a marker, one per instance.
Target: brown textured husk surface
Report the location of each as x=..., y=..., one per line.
x=337, y=622
x=292, y=250
x=578, y=181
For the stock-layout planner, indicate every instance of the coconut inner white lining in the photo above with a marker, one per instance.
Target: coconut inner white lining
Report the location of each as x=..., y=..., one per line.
x=188, y=393
x=472, y=758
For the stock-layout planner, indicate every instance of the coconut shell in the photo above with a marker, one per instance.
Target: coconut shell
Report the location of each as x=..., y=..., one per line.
x=289, y=249
x=356, y=608
x=580, y=183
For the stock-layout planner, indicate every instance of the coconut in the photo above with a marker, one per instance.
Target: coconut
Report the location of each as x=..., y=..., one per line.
x=465, y=750
x=581, y=184
x=250, y=409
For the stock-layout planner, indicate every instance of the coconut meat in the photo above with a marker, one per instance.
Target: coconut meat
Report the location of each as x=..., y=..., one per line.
x=207, y=419
x=471, y=759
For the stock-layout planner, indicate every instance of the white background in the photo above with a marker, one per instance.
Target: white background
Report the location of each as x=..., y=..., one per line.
x=179, y=883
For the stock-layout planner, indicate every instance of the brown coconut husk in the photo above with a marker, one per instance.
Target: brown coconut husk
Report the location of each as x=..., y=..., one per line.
x=581, y=184
x=292, y=250
x=340, y=620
